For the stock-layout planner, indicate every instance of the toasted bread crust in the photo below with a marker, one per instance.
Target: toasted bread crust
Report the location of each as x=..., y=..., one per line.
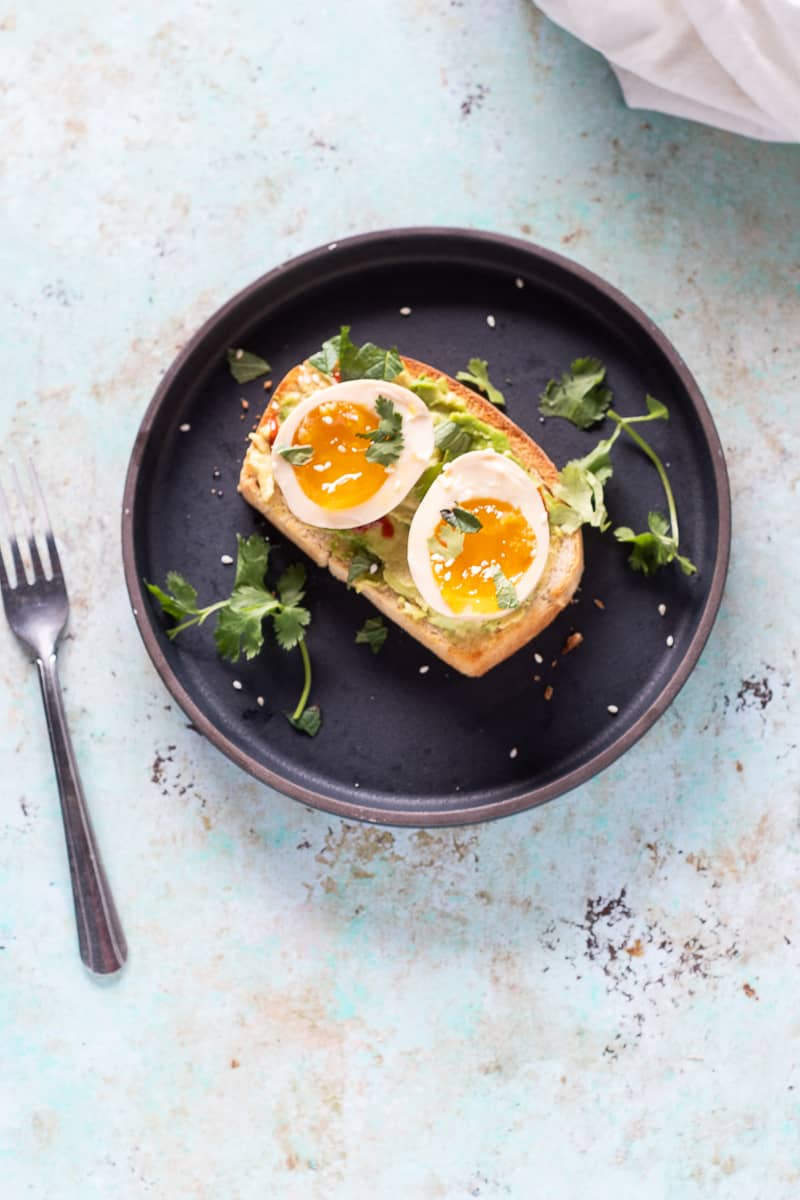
x=476, y=652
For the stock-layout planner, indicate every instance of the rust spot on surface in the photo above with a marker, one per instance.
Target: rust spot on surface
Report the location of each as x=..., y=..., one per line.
x=749, y=991
x=235, y=1063
x=636, y=950
x=754, y=693
x=739, y=766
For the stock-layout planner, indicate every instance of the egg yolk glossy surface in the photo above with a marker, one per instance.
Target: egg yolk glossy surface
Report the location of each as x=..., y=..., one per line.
x=338, y=475
x=505, y=541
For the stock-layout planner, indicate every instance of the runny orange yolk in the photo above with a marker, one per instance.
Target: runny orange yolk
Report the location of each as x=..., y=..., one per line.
x=338, y=474
x=505, y=540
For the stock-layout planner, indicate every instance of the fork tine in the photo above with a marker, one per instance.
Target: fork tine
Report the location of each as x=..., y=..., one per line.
x=16, y=557
x=38, y=570
x=52, y=550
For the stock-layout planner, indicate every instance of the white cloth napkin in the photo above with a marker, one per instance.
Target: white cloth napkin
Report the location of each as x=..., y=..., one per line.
x=730, y=63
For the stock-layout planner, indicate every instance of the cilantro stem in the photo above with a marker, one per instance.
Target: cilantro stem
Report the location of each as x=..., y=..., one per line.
x=198, y=619
x=301, y=703
x=626, y=423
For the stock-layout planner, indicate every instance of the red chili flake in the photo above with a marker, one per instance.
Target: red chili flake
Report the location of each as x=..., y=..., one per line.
x=598, y=603
x=271, y=424
x=337, y=374
x=387, y=528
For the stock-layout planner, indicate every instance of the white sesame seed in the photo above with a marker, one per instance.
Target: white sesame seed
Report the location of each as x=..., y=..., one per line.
x=185, y=427
x=405, y=311
x=373, y=568
x=260, y=701
x=332, y=246
x=226, y=559
x=127, y=512
x=490, y=321
x=662, y=610
x=513, y=752
x=670, y=640
x=520, y=283
x=239, y=354
x=237, y=685
x=613, y=709
x=136, y=612
x=356, y=783
x=424, y=670
x=541, y=420
x=538, y=658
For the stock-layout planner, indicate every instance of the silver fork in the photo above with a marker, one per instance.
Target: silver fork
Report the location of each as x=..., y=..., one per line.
x=37, y=613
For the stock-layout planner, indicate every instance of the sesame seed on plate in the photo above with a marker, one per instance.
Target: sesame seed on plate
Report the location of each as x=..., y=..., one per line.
x=598, y=603
x=237, y=685
x=538, y=658
x=260, y=701
x=490, y=321
x=239, y=354
x=670, y=640
x=424, y=670
x=662, y=610
x=520, y=283
x=226, y=559
x=613, y=709
x=513, y=752
x=185, y=427
x=405, y=311
x=332, y=246
x=548, y=692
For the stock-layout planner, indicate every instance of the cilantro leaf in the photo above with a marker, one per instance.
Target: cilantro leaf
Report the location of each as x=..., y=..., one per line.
x=504, y=590
x=289, y=623
x=291, y=584
x=309, y=721
x=180, y=600
x=362, y=563
x=654, y=548
x=245, y=366
x=252, y=556
x=656, y=408
x=477, y=376
x=239, y=627
x=325, y=360
x=356, y=362
x=386, y=442
x=298, y=456
x=452, y=440
x=579, y=395
x=372, y=633
x=579, y=491
x=461, y=518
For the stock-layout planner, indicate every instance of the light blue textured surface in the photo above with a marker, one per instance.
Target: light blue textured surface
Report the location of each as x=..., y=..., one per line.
x=598, y=998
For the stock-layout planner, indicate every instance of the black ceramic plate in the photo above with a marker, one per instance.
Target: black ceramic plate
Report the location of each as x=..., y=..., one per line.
x=405, y=739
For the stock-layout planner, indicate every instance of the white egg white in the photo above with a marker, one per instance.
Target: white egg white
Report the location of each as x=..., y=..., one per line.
x=481, y=474
x=400, y=476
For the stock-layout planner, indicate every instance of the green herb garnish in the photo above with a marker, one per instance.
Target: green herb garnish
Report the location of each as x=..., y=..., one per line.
x=386, y=442
x=245, y=366
x=579, y=395
x=363, y=562
x=239, y=628
x=372, y=633
x=461, y=518
x=447, y=542
x=504, y=590
x=579, y=493
x=356, y=362
x=298, y=456
x=477, y=376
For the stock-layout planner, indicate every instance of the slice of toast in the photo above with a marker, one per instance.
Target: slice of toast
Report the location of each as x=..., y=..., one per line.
x=473, y=647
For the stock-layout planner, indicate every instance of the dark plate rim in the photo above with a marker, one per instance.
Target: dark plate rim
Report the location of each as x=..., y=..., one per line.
x=530, y=798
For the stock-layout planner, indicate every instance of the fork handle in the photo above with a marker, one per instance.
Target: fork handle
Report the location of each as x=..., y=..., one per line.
x=100, y=936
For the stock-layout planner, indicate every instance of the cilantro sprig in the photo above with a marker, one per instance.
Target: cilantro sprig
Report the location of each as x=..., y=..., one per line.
x=580, y=490
x=240, y=620
x=369, y=361
x=386, y=441
x=461, y=518
x=477, y=376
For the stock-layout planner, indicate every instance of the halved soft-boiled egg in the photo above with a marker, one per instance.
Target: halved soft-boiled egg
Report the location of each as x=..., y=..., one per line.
x=351, y=452
x=479, y=540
